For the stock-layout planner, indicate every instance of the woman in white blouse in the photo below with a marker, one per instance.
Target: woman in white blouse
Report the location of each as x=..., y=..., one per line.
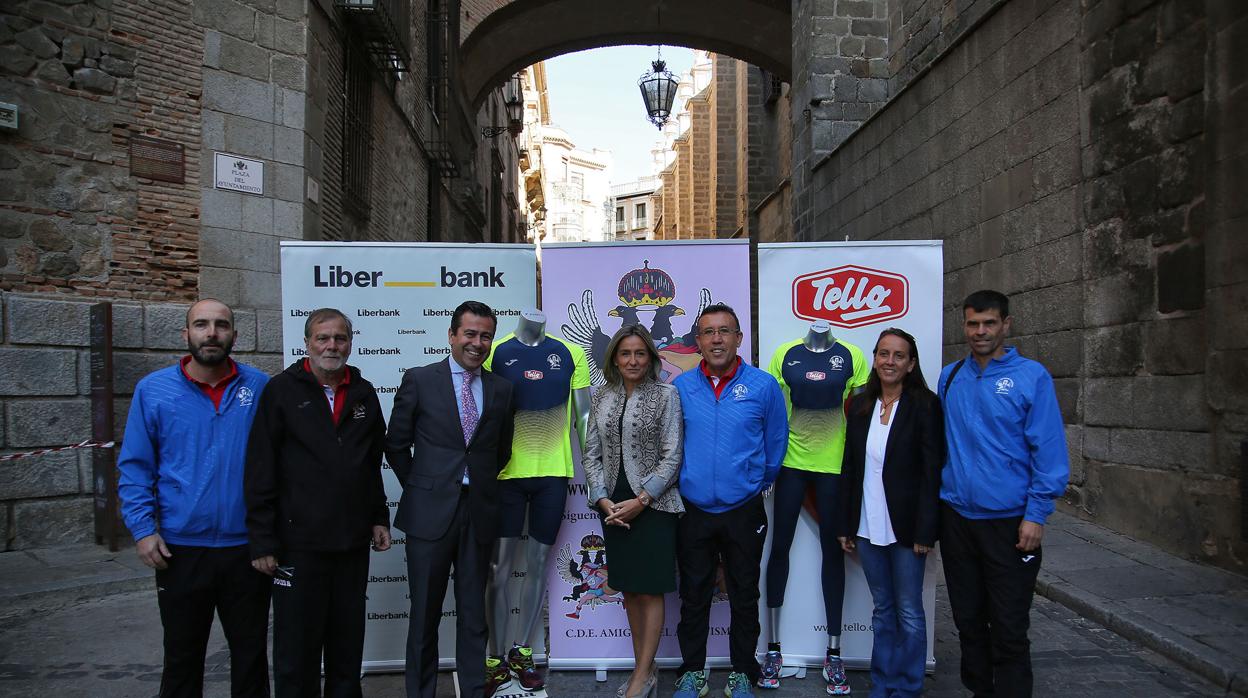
x=894, y=448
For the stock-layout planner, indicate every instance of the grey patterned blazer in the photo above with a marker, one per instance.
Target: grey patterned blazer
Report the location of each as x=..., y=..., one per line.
x=652, y=444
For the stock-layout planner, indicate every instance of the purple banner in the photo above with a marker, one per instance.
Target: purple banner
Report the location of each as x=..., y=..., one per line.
x=588, y=293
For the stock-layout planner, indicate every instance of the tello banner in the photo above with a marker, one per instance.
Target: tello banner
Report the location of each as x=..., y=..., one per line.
x=859, y=288
x=851, y=296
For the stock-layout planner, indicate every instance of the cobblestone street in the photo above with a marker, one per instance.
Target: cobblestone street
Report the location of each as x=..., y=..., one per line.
x=111, y=647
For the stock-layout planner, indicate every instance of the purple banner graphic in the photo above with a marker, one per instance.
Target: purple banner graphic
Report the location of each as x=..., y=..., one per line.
x=588, y=293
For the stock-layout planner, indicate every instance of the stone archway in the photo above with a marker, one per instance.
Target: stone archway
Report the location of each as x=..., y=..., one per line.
x=516, y=34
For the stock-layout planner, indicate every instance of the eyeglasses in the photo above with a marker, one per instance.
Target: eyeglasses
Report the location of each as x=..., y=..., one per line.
x=710, y=332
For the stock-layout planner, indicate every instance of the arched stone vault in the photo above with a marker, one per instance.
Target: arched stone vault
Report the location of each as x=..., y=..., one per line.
x=523, y=32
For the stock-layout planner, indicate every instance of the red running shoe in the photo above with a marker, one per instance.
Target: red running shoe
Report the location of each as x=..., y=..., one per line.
x=520, y=661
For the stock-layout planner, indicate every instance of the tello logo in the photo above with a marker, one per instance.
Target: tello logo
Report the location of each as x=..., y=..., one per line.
x=851, y=296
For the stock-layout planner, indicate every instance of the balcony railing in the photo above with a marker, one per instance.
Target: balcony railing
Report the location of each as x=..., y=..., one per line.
x=620, y=226
x=641, y=222
x=567, y=192
x=384, y=28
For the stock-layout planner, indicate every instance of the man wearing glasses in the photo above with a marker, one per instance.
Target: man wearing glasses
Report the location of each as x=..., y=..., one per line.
x=736, y=434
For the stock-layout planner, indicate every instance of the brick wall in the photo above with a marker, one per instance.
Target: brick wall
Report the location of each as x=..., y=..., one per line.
x=725, y=185
x=1060, y=150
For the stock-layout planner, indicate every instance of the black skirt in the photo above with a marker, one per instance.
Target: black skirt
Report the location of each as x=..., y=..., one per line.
x=641, y=559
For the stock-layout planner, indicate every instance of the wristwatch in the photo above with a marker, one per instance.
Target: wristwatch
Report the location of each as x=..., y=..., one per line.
x=645, y=499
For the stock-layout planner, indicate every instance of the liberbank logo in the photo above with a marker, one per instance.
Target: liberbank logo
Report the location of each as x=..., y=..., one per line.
x=335, y=276
x=851, y=296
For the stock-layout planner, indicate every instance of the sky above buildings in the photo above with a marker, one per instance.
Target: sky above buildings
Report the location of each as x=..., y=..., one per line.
x=594, y=97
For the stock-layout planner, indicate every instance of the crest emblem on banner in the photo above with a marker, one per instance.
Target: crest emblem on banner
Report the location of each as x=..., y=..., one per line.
x=643, y=293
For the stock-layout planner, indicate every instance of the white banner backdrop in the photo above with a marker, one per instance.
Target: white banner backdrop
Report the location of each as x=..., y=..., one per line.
x=860, y=288
x=400, y=298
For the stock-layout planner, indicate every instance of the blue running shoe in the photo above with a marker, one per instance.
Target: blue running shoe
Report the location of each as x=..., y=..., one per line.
x=773, y=663
x=691, y=684
x=738, y=686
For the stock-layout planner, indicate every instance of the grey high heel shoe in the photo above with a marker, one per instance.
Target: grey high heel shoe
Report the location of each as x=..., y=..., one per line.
x=619, y=692
x=648, y=690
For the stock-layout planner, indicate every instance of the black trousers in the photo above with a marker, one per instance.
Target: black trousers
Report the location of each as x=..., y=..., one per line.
x=702, y=539
x=199, y=582
x=318, y=609
x=428, y=570
x=990, y=584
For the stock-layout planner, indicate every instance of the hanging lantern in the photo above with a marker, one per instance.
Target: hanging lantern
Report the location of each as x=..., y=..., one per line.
x=658, y=91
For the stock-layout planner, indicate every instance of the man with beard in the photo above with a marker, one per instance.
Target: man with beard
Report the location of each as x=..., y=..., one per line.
x=314, y=503
x=181, y=489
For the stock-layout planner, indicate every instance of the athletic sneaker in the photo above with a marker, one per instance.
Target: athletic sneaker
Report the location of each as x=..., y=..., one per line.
x=496, y=675
x=772, y=664
x=691, y=684
x=738, y=686
x=834, y=674
x=520, y=661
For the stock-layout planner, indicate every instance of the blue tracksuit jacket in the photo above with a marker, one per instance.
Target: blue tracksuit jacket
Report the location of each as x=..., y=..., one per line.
x=734, y=445
x=1006, y=441
x=182, y=459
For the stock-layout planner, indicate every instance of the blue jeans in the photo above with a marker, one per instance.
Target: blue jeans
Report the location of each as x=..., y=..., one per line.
x=899, y=650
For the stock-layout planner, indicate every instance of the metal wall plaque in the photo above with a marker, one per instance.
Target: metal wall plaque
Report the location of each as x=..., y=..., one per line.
x=152, y=158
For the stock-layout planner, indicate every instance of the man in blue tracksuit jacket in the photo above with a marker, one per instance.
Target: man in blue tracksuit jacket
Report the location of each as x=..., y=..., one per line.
x=181, y=490
x=1006, y=464
x=736, y=434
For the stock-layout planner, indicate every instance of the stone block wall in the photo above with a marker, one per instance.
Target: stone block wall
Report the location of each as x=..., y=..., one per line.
x=254, y=99
x=44, y=400
x=840, y=71
x=1076, y=155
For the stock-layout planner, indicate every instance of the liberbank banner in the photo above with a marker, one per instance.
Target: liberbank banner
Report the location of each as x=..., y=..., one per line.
x=859, y=289
x=589, y=291
x=400, y=298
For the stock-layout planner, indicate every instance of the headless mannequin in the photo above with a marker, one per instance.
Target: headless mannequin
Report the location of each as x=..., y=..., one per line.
x=818, y=339
x=530, y=330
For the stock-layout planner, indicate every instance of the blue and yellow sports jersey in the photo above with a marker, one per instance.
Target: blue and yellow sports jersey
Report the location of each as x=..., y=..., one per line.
x=543, y=377
x=815, y=385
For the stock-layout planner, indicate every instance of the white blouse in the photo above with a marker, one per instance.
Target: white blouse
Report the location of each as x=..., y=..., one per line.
x=873, y=521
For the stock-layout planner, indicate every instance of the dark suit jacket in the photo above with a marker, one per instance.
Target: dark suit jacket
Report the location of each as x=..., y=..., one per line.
x=425, y=447
x=913, y=458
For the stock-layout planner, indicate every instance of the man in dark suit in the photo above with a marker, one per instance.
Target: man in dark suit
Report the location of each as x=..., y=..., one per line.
x=450, y=435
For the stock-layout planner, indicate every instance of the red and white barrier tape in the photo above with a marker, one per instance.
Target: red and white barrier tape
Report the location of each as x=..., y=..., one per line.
x=85, y=444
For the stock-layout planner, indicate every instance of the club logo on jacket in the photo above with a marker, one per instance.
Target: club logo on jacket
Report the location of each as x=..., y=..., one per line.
x=837, y=362
x=554, y=360
x=533, y=374
x=358, y=412
x=815, y=375
x=739, y=392
x=1004, y=385
x=245, y=396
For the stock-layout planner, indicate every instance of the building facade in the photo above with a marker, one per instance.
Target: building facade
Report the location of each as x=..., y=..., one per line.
x=1084, y=156
x=722, y=162
x=630, y=209
x=136, y=122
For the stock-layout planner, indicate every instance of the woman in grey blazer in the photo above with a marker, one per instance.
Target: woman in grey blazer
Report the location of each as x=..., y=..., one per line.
x=632, y=462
